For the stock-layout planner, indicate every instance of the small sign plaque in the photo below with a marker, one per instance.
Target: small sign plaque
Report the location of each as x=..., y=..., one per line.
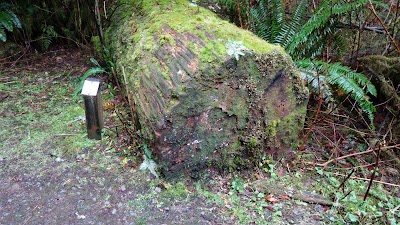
x=90, y=87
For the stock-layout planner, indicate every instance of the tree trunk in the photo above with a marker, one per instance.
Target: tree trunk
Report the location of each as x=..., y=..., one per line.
x=207, y=94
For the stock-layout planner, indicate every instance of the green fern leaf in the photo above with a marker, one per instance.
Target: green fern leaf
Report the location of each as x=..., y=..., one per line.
x=3, y=36
x=45, y=42
x=321, y=20
x=316, y=80
x=289, y=30
x=6, y=21
x=350, y=82
x=260, y=25
x=94, y=62
x=89, y=72
x=277, y=17
x=15, y=20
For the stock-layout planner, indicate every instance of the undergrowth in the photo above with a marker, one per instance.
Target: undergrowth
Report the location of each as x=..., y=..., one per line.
x=272, y=196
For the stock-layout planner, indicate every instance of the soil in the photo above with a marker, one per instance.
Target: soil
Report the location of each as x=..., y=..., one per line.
x=50, y=173
x=43, y=186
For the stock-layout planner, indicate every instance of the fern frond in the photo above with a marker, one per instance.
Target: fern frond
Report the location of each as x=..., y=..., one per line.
x=6, y=21
x=89, y=72
x=45, y=42
x=15, y=20
x=350, y=82
x=3, y=36
x=317, y=82
x=359, y=78
x=259, y=20
x=48, y=34
x=277, y=17
x=289, y=30
x=320, y=19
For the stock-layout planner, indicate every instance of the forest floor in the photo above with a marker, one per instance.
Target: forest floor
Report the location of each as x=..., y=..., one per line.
x=50, y=173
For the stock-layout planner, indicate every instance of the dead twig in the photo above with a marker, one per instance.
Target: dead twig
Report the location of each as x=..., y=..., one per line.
x=364, y=179
x=345, y=179
x=373, y=172
x=372, y=8
x=306, y=136
x=354, y=154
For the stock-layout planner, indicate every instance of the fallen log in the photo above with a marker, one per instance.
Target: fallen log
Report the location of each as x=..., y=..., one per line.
x=207, y=94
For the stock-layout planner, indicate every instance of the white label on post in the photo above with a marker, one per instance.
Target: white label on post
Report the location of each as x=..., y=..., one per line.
x=90, y=87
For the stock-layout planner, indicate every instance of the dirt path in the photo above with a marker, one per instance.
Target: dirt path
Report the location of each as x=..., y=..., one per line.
x=70, y=193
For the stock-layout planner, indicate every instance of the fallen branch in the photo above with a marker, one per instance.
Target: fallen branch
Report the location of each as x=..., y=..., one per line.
x=354, y=154
x=365, y=179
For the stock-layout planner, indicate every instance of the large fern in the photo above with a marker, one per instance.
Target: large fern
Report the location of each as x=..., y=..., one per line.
x=305, y=42
x=8, y=20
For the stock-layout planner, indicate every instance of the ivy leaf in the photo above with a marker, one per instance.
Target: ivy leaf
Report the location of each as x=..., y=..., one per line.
x=352, y=218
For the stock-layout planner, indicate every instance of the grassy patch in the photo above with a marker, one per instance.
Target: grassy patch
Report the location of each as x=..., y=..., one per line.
x=41, y=120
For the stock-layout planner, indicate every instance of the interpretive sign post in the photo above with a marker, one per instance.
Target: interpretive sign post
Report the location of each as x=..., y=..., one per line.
x=93, y=108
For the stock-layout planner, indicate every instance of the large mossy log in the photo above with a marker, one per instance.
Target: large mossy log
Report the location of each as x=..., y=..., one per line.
x=201, y=102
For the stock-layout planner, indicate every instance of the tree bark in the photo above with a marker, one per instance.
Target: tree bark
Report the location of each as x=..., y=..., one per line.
x=207, y=94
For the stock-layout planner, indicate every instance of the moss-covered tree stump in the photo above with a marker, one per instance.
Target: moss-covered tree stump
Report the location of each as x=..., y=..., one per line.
x=206, y=93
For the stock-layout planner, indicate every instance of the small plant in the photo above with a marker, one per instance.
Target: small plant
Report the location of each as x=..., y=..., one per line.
x=8, y=20
x=380, y=208
x=48, y=34
x=92, y=71
x=148, y=162
x=239, y=185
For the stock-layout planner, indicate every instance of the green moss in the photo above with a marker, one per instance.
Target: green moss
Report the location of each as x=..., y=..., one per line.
x=159, y=24
x=184, y=18
x=162, y=39
x=175, y=191
x=271, y=128
x=253, y=142
x=166, y=76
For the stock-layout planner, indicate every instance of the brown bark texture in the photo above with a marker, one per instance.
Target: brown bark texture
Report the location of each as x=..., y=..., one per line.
x=207, y=94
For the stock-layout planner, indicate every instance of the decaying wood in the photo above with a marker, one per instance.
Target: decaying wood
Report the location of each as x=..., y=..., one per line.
x=207, y=93
x=267, y=186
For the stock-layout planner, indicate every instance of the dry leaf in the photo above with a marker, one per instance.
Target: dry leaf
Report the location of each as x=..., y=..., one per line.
x=285, y=196
x=270, y=208
x=271, y=198
x=281, y=173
